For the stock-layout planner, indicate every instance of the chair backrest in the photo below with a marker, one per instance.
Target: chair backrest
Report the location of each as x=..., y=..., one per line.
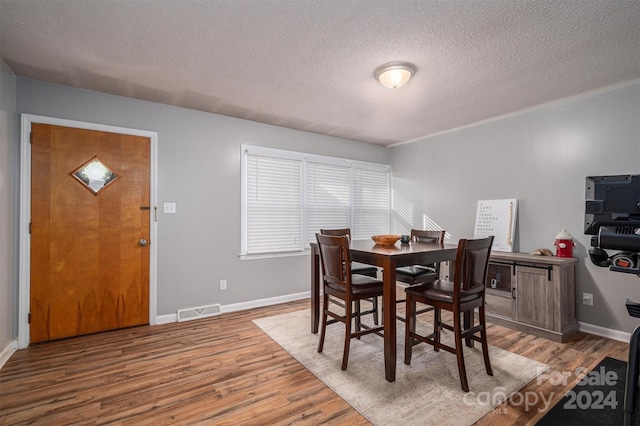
x=472, y=261
x=336, y=259
x=420, y=236
x=337, y=232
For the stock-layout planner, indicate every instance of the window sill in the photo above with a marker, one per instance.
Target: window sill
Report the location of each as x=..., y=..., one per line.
x=273, y=255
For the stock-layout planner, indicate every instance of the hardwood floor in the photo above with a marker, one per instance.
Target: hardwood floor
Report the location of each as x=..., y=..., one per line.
x=225, y=371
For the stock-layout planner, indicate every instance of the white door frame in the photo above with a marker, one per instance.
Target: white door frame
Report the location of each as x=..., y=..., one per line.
x=24, y=293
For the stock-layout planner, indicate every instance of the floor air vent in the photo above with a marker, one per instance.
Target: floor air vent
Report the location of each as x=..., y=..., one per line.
x=198, y=312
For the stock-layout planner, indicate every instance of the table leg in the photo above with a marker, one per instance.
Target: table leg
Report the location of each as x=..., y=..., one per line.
x=389, y=309
x=315, y=288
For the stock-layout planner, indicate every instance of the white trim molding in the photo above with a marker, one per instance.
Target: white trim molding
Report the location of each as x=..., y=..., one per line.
x=24, y=294
x=621, y=336
x=260, y=303
x=7, y=352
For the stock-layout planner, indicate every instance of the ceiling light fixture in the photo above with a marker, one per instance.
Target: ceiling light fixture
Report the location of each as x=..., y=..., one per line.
x=394, y=74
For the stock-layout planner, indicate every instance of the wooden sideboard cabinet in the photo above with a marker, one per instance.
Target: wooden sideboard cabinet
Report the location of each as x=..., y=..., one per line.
x=534, y=294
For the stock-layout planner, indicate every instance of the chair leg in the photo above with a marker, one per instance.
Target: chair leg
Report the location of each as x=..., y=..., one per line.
x=468, y=324
x=414, y=312
x=409, y=327
x=436, y=327
x=457, y=331
x=375, y=311
x=483, y=340
x=347, y=333
x=325, y=304
x=357, y=319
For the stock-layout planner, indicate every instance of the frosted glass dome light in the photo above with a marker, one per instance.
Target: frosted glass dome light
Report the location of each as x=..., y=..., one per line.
x=394, y=74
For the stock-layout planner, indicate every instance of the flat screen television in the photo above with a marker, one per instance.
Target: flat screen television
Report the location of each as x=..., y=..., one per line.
x=611, y=201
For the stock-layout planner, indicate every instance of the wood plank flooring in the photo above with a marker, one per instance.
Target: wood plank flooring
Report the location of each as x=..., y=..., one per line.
x=225, y=371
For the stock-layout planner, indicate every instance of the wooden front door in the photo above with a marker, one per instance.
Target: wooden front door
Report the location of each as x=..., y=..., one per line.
x=90, y=201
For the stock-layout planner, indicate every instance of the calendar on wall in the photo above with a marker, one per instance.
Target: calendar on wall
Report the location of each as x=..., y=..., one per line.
x=497, y=218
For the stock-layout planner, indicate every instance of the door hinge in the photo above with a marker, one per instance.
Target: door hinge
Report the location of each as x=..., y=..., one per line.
x=29, y=318
x=30, y=138
x=29, y=228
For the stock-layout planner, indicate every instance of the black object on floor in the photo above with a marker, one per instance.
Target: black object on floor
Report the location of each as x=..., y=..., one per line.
x=597, y=400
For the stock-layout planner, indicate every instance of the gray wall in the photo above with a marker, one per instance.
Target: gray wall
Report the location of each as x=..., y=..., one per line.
x=8, y=208
x=199, y=169
x=541, y=157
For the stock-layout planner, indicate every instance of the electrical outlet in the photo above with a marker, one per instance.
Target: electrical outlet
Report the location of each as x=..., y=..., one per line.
x=587, y=299
x=223, y=284
x=170, y=208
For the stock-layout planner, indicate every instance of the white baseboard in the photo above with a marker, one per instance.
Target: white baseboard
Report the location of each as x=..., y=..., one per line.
x=7, y=352
x=166, y=319
x=265, y=302
x=260, y=303
x=621, y=336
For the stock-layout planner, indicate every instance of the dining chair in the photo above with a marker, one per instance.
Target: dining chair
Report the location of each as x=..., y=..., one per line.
x=460, y=296
x=357, y=268
x=339, y=282
x=419, y=274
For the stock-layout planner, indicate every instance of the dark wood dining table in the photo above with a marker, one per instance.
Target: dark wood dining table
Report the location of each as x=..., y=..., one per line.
x=388, y=258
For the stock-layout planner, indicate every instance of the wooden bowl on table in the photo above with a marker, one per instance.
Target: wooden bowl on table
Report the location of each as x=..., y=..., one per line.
x=385, y=240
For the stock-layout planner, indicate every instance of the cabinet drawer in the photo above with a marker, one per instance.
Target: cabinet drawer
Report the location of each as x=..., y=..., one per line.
x=498, y=305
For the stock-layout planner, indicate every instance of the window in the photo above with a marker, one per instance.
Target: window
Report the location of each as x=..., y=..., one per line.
x=287, y=197
x=273, y=202
x=370, y=202
x=328, y=198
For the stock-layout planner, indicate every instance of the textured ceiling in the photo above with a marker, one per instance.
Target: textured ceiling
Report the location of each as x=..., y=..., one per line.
x=308, y=64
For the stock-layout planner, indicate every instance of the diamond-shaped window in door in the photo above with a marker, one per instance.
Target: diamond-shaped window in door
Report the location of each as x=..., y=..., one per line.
x=95, y=175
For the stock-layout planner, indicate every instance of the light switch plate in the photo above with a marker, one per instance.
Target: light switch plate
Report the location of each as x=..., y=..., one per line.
x=169, y=207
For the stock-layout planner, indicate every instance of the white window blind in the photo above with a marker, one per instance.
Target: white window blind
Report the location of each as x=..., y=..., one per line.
x=273, y=205
x=327, y=201
x=370, y=202
x=287, y=197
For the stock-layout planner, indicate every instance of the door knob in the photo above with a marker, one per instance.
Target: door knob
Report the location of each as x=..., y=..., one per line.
x=143, y=242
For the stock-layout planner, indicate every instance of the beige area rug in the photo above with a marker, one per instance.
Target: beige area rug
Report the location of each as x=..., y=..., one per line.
x=427, y=392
